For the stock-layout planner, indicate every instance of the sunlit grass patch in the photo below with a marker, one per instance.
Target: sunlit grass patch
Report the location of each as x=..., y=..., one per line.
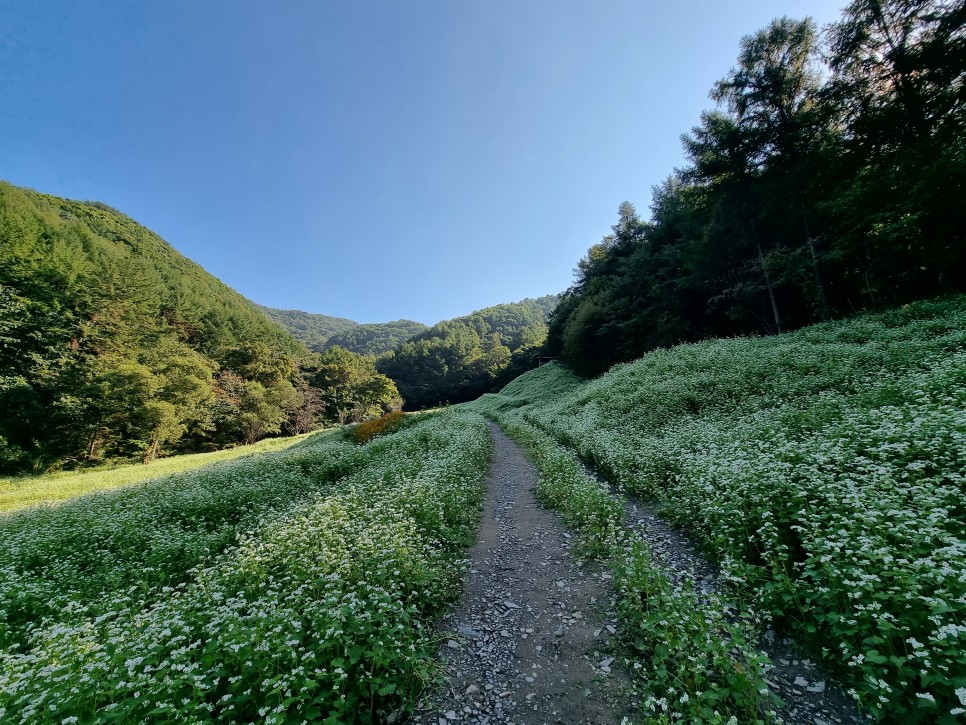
x=21, y=491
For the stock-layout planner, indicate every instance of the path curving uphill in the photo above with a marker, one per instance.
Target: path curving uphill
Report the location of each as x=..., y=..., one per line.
x=530, y=642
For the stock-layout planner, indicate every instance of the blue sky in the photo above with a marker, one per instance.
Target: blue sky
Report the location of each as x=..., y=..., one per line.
x=370, y=160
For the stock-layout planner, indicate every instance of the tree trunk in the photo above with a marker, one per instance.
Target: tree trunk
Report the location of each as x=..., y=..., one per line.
x=819, y=286
x=771, y=290
x=151, y=452
x=90, y=448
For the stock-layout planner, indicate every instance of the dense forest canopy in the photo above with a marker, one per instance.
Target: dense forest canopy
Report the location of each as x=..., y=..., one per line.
x=114, y=345
x=459, y=359
x=320, y=332
x=829, y=178
x=310, y=328
x=376, y=338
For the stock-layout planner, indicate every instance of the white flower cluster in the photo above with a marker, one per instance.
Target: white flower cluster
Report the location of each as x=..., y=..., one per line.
x=700, y=666
x=824, y=469
x=312, y=609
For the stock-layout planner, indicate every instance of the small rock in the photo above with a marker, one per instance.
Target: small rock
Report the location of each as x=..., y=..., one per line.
x=451, y=715
x=817, y=687
x=511, y=605
x=472, y=690
x=801, y=682
x=468, y=631
x=453, y=644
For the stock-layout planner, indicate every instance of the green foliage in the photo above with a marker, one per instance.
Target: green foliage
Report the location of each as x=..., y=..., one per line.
x=460, y=359
x=351, y=387
x=307, y=602
x=312, y=329
x=147, y=535
x=114, y=345
x=810, y=192
x=376, y=338
x=822, y=469
x=22, y=491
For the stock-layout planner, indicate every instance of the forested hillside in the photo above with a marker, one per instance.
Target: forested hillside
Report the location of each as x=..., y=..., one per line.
x=459, y=359
x=376, y=338
x=321, y=332
x=829, y=178
x=310, y=328
x=114, y=345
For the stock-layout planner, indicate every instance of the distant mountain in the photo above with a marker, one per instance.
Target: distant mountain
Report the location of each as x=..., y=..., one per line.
x=460, y=359
x=314, y=330
x=320, y=332
x=376, y=339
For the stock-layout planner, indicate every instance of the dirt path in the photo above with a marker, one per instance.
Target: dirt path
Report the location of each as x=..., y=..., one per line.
x=530, y=640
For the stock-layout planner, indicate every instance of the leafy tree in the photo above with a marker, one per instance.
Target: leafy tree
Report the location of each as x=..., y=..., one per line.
x=312, y=329
x=376, y=339
x=810, y=192
x=351, y=387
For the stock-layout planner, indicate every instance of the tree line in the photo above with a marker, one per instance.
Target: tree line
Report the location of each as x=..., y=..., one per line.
x=828, y=178
x=113, y=345
x=460, y=359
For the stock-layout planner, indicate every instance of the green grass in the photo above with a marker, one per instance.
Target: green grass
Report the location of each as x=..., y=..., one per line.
x=21, y=491
x=824, y=470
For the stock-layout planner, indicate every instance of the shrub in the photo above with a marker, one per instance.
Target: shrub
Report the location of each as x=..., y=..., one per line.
x=378, y=426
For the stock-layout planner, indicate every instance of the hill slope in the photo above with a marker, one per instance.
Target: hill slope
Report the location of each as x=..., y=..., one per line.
x=459, y=359
x=113, y=343
x=310, y=328
x=376, y=338
x=824, y=470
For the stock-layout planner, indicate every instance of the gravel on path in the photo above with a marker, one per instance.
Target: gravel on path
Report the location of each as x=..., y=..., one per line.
x=530, y=642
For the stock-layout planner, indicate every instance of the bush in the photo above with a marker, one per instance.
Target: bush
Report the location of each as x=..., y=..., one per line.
x=378, y=426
